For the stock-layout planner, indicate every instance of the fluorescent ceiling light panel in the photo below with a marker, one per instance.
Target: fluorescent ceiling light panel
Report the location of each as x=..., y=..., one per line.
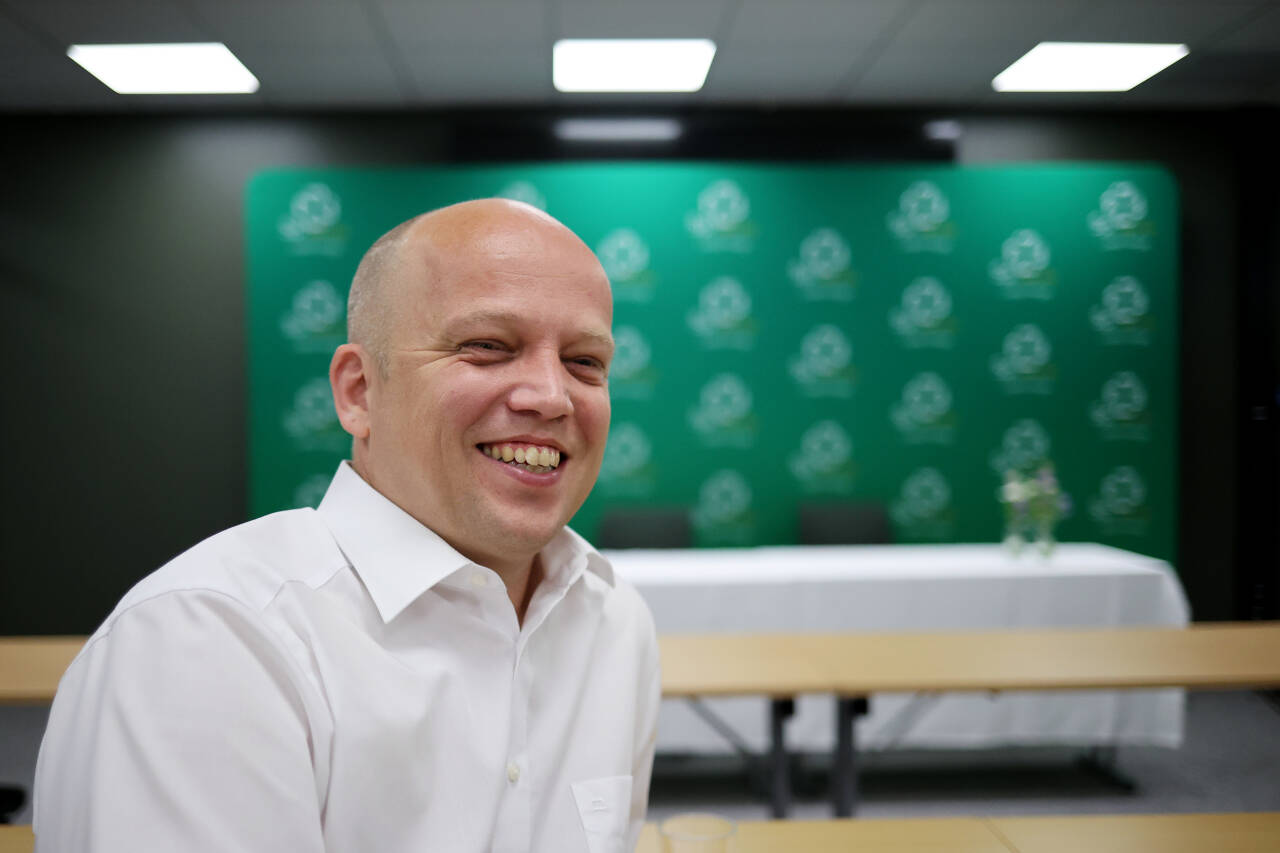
x=201, y=68
x=631, y=65
x=618, y=129
x=1061, y=66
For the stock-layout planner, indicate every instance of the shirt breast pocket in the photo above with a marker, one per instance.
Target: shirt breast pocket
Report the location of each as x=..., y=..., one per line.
x=604, y=805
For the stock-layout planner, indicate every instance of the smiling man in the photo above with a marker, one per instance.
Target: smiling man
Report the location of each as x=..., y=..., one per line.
x=431, y=660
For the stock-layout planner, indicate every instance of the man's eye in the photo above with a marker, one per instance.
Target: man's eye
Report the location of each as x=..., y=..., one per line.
x=484, y=346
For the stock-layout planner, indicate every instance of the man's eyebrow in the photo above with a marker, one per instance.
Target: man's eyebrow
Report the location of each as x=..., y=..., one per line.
x=511, y=317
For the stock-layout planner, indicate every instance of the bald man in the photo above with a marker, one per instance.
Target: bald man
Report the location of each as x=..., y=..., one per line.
x=431, y=660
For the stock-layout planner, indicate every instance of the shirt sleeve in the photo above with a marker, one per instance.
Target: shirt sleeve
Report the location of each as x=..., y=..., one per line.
x=179, y=728
x=646, y=741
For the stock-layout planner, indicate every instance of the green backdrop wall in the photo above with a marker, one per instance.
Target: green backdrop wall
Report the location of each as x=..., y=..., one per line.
x=795, y=333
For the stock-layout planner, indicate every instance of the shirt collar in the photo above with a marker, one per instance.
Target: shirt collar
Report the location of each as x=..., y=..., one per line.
x=398, y=558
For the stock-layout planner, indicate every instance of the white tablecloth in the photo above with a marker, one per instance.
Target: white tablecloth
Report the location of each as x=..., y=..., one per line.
x=916, y=588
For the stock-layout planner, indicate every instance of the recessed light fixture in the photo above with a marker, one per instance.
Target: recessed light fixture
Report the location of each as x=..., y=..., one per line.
x=1061, y=66
x=199, y=68
x=618, y=129
x=631, y=65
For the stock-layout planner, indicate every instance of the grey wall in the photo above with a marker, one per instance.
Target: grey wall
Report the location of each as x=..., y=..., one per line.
x=121, y=259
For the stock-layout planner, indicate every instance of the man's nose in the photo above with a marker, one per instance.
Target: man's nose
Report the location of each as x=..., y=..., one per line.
x=542, y=386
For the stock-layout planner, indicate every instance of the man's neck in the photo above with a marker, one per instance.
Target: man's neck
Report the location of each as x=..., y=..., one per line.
x=521, y=585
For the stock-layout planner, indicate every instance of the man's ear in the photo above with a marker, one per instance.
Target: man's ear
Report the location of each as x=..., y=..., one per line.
x=349, y=373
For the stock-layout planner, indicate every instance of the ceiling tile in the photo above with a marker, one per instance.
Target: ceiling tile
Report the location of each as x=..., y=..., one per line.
x=935, y=72
x=318, y=24
x=764, y=71
x=989, y=21
x=340, y=77
x=859, y=21
x=481, y=22
x=1258, y=33
x=123, y=22
x=621, y=19
x=465, y=74
x=1176, y=23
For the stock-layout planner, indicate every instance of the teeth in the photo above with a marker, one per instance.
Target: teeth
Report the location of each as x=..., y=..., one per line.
x=537, y=459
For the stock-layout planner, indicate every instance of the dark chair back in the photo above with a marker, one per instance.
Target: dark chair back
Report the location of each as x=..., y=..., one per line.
x=854, y=523
x=645, y=527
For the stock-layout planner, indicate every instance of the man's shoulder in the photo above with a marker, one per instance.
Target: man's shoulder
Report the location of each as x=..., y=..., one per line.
x=249, y=563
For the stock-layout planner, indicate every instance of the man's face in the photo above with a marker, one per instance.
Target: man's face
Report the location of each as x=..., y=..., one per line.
x=500, y=342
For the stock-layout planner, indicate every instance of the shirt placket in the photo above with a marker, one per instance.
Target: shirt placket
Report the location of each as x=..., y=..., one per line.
x=514, y=832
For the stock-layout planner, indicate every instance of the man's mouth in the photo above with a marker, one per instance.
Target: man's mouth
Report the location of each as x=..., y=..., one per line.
x=527, y=457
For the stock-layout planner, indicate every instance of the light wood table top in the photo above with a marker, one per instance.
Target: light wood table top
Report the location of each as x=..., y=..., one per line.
x=16, y=839
x=1184, y=833
x=1205, y=656
x=1215, y=655
x=1257, y=832
x=30, y=667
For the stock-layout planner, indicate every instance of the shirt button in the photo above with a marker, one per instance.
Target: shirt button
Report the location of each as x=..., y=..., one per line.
x=513, y=772
x=478, y=579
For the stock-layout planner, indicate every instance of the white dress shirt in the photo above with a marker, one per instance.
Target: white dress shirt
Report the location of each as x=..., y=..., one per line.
x=341, y=679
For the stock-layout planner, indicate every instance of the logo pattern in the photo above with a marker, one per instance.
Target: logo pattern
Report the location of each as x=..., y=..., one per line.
x=524, y=191
x=1121, y=317
x=625, y=258
x=627, y=469
x=630, y=375
x=923, y=319
x=723, y=415
x=1024, y=365
x=821, y=272
x=721, y=222
x=316, y=319
x=723, y=515
x=1024, y=446
x=311, y=491
x=1120, y=222
x=722, y=318
x=1022, y=271
x=922, y=222
x=924, y=414
x=824, y=461
x=922, y=510
x=1120, y=505
x=1120, y=413
x=313, y=223
x=312, y=422
x=823, y=366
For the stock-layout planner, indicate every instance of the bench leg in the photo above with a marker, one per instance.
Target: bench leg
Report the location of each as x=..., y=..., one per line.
x=844, y=782
x=780, y=794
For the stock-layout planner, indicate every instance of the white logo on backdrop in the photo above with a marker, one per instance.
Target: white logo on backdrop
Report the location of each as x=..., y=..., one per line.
x=623, y=254
x=722, y=317
x=822, y=269
x=1023, y=364
x=626, y=453
x=311, y=491
x=312, y=411
x=725, y=401
x=631, y=353
x=1024, y=446
x=1022, y=270
x=524, y=191
x=724, y=497
x=1121, y=207
x=825, y=449
x=824, y=354
x=924, y=497
x=922, y=208
x=921, y=414
x=722, y=206
x=1120, y=507
x=316, y=309
x=1121, y=315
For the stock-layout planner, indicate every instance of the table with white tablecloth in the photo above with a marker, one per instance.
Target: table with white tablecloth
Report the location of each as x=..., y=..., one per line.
x=916, y=588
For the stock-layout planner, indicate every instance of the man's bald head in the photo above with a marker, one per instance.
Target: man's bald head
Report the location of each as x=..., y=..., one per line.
x=416, y=246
